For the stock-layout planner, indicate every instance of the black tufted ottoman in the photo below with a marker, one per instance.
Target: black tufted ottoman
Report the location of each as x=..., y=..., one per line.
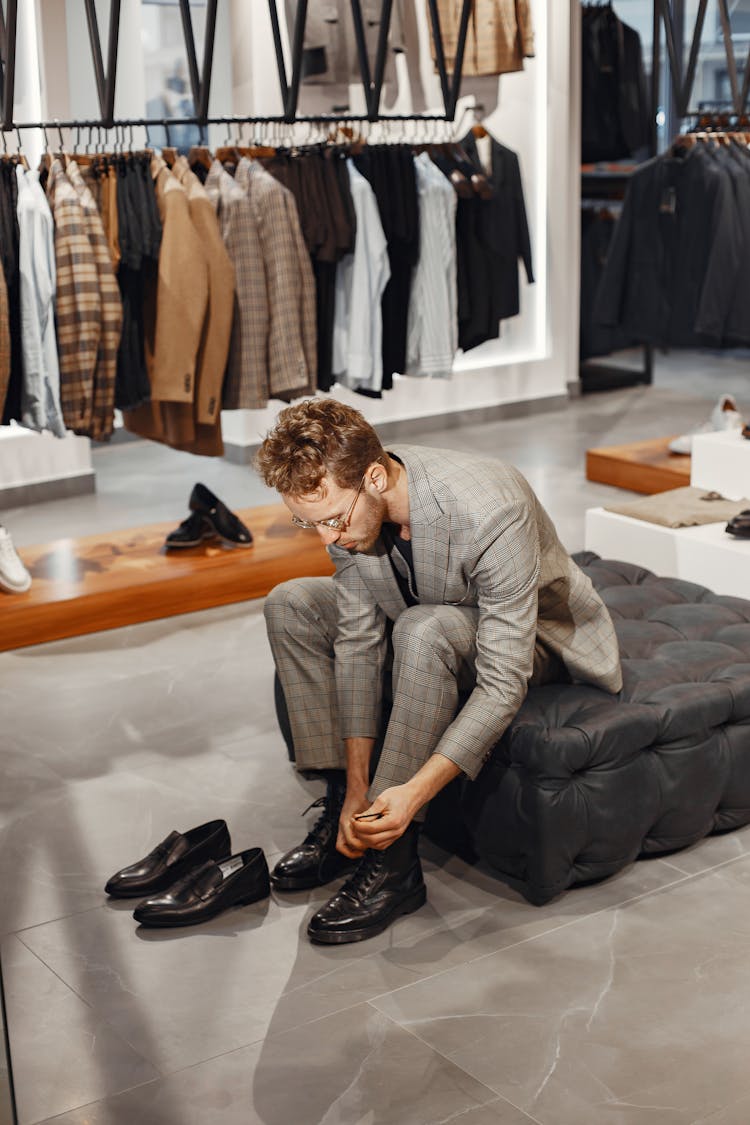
x=583, y=782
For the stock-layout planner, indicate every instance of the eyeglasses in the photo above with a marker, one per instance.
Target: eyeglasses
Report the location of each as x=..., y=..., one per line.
x=337, y=523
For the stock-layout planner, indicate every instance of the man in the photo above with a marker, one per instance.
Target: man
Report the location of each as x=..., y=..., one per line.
x=447, y=564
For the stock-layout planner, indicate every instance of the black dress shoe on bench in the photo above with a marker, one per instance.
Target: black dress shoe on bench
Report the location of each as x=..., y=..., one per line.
x=191, y=532
x=386, y=885
x=227, y=526
x=315, y=861
x=170, y=860
x=205, y=892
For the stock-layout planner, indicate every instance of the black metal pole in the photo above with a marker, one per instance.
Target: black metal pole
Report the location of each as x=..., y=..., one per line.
x=375, y=92
x=290, y=106
x=437, y=38
x=458, y=63
x=9, y=70
x=281, y=65
x=111, y=76
x=208, y=59
x=192, y=58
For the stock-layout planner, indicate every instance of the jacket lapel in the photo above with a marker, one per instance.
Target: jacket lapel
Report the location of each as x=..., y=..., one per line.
x=430, y=531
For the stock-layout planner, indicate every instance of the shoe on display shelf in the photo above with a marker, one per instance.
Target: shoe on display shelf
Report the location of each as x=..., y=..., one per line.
x=724, y=416
x=14, y=577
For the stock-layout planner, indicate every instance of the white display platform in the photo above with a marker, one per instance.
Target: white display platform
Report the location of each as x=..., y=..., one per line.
x=706, y=555
x=36, y=467
x=721, y=463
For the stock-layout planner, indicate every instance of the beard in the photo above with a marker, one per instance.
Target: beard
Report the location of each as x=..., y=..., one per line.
x=369, y=523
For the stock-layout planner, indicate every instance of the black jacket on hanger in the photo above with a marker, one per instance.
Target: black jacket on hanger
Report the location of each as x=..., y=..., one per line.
x=500, y=240
x=673, y=265
x=614, y=98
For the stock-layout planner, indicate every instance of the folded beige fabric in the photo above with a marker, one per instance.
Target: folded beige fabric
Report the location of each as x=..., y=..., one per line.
x=681, y=507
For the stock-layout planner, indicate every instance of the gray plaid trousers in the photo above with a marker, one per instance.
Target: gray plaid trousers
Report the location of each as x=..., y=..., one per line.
x=434, y=652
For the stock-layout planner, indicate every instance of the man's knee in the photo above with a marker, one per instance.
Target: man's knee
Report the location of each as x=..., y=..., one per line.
x=422, y=629
x=298, y=598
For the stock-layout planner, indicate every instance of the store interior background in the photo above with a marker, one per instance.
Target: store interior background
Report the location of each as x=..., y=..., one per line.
x=126, y=734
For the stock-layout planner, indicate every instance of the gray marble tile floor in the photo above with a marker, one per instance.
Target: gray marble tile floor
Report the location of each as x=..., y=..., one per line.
x=621, y=1003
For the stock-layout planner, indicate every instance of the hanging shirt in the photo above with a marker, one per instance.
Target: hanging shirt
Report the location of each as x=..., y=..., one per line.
x=361, y=278
x=292, y=341
x=432, y=336
x=246, y=384
x=77, y=305
x=105, y=372
x=40, y=393
x=4, y=339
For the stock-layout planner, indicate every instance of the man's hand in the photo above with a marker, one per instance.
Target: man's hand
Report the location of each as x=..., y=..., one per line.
x=398, y=806
x=346, y=842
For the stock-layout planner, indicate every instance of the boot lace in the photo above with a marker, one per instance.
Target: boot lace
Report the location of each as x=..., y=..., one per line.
x=322, y=827
x=362, y=881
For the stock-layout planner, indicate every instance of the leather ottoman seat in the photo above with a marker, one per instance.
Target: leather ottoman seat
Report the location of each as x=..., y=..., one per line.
x=583, y=782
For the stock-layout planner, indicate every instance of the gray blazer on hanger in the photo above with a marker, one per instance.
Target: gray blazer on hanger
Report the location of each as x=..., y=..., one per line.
x=481, y=540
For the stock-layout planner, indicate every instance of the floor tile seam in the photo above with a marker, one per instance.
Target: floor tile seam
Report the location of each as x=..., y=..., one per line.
x=97, y=1101
x=496, y=1095
x=61, y=918
x=555, y=929
x=95, y=1011
x=653, y=892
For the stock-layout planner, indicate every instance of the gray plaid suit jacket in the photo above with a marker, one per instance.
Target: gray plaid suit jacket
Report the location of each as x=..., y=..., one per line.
x=480, y=539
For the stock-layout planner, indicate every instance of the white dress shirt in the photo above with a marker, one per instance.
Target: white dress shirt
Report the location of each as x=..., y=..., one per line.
x=40, y=395
x=432, y=338
x=361, y=278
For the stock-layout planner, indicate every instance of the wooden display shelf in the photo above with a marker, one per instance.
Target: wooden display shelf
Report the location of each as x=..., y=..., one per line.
x=82, y=586
x=642, y=466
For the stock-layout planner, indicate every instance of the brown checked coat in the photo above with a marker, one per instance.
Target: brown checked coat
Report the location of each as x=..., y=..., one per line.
x=78, y=305
x=292, y=338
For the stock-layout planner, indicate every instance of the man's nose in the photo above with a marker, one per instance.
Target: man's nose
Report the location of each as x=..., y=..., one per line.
x=328, y=534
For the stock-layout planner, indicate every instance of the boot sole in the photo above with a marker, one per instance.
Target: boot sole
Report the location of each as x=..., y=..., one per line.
x=342, y=937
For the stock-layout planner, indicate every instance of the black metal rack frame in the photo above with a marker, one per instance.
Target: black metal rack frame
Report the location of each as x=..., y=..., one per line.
x=200, y=77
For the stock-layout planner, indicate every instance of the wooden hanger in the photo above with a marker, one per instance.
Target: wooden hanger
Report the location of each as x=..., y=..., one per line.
x=200, y=154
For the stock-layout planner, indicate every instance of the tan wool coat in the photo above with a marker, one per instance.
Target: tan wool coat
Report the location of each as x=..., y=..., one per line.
x=500, y=35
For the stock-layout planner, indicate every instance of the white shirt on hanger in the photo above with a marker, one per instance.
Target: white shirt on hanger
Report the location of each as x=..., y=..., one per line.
x=432, y=339
x=40, y=393
x=361, y=278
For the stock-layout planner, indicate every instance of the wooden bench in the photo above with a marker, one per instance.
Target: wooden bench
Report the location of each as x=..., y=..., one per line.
x=118, y=578
x=641, y=466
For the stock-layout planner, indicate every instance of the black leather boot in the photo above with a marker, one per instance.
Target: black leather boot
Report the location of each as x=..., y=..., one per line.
x=386, y=885
x=315, y=861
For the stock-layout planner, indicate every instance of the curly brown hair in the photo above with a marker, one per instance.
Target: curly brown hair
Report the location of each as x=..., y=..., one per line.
x=315, y=437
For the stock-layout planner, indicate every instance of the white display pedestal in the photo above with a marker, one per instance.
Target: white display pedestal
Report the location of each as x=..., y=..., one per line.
x=36, y=467
x=706, y=555
x=721, y=463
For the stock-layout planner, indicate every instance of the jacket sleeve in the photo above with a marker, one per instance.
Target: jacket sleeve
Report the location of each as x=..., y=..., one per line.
x=610, y=295
x=718, y=290
x=181, y=301
x=360, y=649
x=506, y=577
x=522, y=225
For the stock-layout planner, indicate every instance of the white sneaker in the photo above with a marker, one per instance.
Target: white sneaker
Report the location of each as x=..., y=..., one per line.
x=724, y=416
x=14, y=577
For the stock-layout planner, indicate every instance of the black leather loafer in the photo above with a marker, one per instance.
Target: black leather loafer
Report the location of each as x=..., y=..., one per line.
x=227, y=526
x=236, y=880
x=386, y=885
x=191, y=532
x=170, y=860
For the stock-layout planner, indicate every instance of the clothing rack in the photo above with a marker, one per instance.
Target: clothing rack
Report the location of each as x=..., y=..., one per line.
x=200, y=78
